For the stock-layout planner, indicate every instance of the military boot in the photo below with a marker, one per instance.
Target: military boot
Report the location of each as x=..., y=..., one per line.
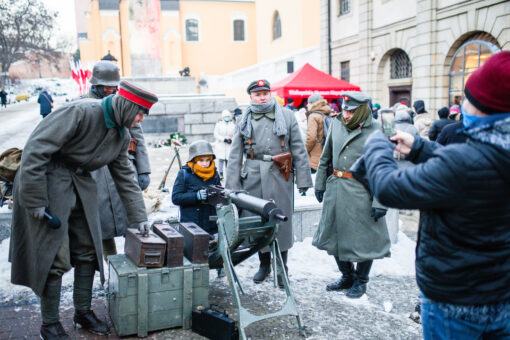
x=279, y=275
x=359, y=286
x=264, y=268
x=89, y=321
x=50, y=301
x=53, y=331
x=347, y=279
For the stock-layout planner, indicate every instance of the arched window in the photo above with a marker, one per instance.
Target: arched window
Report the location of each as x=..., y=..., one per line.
x=239, y=30
x=468, y=57
x=277, y=26
x=191, y=29
x=400, y=65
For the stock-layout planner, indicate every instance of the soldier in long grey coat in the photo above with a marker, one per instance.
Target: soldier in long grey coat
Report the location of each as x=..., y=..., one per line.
x=267, y=129
x=54, y=177
x=351, y=227
x=112, y=214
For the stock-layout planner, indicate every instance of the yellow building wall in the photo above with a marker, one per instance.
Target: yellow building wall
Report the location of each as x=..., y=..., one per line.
x=125, y=57
x=110, y=35
x=216, y=52
x=299, y=26
x=171, y=39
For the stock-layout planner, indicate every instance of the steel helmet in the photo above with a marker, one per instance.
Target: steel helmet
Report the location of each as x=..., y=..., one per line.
x=200, y=148
x=105, y=73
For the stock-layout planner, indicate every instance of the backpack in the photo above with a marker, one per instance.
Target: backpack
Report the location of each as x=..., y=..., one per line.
x=326, y=123
x=10, y=161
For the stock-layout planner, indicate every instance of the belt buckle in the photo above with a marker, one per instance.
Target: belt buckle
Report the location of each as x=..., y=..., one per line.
x=267, y=158
x=339, y=173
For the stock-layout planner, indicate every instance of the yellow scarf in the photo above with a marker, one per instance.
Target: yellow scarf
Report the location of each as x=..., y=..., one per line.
x=204, y=173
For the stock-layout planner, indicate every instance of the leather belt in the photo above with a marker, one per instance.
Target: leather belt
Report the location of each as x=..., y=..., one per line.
x=265, y=158
x=72, y=167
x=342, y=174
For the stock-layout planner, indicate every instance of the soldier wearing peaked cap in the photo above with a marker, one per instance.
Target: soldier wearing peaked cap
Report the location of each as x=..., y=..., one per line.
x=54, y=177
x=112, y=214
x=352, y=227
x=264, y=130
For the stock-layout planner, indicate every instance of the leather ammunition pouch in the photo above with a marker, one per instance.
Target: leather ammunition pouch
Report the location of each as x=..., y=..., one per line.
x=284, y=163
x=132, y=146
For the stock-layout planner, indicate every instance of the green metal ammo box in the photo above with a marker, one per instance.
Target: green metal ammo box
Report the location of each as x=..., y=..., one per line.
x=142, y=300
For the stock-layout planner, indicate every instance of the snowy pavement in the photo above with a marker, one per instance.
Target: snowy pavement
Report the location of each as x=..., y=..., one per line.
x=381, y=314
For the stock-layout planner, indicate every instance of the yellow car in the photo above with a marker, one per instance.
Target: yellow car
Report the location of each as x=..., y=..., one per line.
x=22, y=96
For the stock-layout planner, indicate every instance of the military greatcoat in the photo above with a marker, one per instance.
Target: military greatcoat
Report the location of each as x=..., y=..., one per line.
x=60, y=152
x=112, y=213
x=263, y=179
x=346, y=228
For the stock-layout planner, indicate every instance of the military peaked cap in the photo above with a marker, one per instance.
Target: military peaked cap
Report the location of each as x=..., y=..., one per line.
x=137, y=95
x=353, y=99
x=258, y=85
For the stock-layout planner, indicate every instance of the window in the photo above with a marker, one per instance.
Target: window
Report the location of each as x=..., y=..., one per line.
x=239, y=30
x=400, y=65
x=290, y=66
x=344, y=7
x=468, y=57
x=191, y=29
x=277, y=26
x=345, y=70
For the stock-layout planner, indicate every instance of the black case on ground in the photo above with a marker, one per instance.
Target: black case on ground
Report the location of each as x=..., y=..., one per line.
x=214, y=324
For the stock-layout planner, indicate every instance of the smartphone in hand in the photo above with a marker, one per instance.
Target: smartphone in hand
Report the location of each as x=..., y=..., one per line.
x=388, y=123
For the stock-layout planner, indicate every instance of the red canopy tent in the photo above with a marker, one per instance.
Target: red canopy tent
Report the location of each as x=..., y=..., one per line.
x=308, y=80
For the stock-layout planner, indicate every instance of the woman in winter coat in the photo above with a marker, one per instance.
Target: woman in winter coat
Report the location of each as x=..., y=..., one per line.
x=317, y=111
x=223, y=133
x=422, y=120
x=351, y=227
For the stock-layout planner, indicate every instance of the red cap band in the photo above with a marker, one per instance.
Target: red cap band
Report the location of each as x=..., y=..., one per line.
x=134, y=98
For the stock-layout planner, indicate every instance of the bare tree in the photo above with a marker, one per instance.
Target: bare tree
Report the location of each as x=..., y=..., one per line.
x=25, y=30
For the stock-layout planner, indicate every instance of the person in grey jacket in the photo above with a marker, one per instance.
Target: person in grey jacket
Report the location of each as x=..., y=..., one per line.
x=267, y=129
x=112, y=213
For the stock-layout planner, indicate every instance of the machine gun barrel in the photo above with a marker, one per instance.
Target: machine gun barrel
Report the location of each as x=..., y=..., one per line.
x=267, y=209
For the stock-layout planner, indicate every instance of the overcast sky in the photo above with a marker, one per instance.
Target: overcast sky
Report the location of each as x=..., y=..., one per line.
x=65, y=25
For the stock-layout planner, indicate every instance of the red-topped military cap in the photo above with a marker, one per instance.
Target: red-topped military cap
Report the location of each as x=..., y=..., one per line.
x=258, y=85
x=136, y=94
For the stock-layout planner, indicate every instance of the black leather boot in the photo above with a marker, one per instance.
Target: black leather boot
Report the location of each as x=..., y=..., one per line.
x=89, y=321
x=361, y=279
x=53, y=331
x=279, y=276
x=347, y=279
x=264, y=269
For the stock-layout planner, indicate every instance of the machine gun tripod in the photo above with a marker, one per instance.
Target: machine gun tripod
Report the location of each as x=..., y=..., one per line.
x=241, y=237
x=176, y=146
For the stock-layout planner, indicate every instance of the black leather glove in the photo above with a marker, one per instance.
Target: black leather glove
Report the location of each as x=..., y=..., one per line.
x=143, y=181
x=302, y=191
x=377, y=213
x=319, y=194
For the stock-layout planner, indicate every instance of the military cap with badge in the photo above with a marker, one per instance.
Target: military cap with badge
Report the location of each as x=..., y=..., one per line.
x=258, y=85
x=353, y=99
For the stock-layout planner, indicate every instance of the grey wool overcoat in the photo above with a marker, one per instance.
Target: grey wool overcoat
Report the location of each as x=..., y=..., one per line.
x=112, y=213
x=346, y=228
x=263, y=179
x=74, y=135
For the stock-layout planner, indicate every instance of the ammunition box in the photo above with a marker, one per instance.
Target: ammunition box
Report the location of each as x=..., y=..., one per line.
x=142, y=300
x=174, y=244
x=196, y=242
x=145, y=251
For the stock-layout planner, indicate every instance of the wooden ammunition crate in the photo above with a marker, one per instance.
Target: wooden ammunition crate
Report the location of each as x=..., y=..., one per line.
x=142, y=300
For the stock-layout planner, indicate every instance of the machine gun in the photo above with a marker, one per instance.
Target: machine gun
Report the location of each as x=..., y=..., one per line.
x=241, y=237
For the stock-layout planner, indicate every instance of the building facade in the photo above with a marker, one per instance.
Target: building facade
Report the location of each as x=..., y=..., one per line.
x=399, y=50
x=161, y=37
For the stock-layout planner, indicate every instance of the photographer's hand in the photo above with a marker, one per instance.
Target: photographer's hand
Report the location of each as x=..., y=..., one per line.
x=404, y=142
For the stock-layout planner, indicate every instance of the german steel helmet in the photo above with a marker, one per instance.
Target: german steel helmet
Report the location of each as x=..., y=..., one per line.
x=105, y=73
x=200, y=148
